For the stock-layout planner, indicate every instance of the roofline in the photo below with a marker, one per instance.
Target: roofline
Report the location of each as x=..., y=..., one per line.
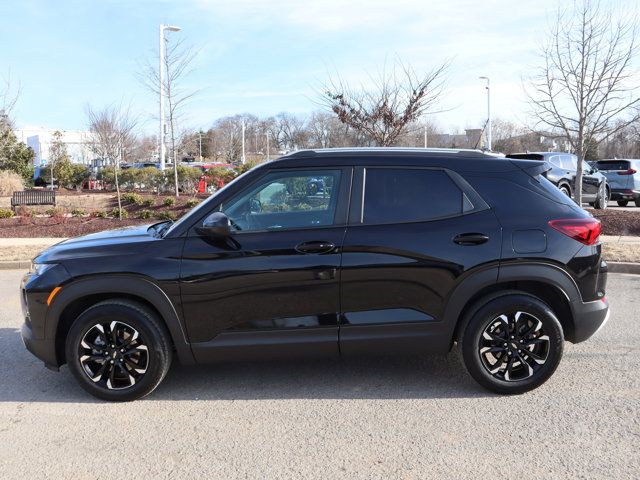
x=462, y=152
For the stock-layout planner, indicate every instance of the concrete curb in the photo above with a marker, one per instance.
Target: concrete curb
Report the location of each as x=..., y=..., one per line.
x=614, y=267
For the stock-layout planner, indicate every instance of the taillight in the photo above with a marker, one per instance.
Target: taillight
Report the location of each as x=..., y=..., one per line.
x=631, y=171
x=584, y=230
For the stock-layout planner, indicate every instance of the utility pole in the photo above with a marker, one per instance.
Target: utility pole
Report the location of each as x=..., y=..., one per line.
x=488, y=87
x=267, y=135
x=244, y=159
x=425, y=136
x=200, y=141
x=162, y=150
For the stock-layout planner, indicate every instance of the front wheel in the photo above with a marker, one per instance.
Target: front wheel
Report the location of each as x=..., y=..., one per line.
x=566, y=190
x=512, y=344
x=118, y=350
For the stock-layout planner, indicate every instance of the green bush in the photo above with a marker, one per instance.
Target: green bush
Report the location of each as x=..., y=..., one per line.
x=131, y=198
x=123, y=212
x=99, y=214
x=78, y=212
x=148, y=202
x=166, y=216
x=169, y=202
x=192, y=203
x=144, y=214
x=6, y=213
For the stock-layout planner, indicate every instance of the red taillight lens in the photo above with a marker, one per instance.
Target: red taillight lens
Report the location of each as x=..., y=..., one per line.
x=584, y=230
x=631, y=171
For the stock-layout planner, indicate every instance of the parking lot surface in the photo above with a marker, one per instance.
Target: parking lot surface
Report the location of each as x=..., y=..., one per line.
x=367, y=418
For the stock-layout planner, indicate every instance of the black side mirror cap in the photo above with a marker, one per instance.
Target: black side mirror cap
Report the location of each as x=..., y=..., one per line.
x=215, y=225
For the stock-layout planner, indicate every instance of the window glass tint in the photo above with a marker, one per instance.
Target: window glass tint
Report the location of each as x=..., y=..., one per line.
x=555, y=160
x=613, y=165
x=409, y=195
x=286, y=200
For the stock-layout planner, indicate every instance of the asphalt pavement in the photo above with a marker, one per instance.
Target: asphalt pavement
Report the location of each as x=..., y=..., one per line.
x=420, y=417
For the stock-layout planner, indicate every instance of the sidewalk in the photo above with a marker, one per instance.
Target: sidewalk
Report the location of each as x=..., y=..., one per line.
x=619, y=239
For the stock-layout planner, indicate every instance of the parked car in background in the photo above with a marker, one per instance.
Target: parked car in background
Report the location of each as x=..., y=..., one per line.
x=406, y=251
x=623, y=176
x=595, y=188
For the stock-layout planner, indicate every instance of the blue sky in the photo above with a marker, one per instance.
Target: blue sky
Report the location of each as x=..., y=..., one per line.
x=264, y=57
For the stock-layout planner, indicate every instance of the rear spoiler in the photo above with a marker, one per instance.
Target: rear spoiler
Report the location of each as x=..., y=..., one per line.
x=533, y=168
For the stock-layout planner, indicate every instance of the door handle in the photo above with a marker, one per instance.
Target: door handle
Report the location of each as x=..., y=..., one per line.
x=315, y=247
x=470, y=239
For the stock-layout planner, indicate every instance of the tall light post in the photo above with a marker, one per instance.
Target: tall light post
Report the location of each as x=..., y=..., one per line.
x=267, y=135
x=162, y=150
x=244, y=158
x=488, y=87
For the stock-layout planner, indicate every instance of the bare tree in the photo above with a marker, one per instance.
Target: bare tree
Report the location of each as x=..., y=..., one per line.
x=398, y=97
x=177, y=62
x=584, y=87
x=111, y=133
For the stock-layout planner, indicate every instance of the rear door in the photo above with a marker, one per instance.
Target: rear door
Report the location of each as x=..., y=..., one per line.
x=413, y=234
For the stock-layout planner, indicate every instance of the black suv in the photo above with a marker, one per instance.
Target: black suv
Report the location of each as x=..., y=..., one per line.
x=595, y=189
x=400, y=251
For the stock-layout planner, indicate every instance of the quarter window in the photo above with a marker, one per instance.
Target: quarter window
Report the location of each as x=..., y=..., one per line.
x=410, y=195
x=283, y=200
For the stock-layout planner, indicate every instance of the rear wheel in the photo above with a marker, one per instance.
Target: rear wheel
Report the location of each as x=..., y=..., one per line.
x=637, y=202
x=623, y=203
x=118, y=350
x=512, y=344
x=602, y=200
x=565, y=189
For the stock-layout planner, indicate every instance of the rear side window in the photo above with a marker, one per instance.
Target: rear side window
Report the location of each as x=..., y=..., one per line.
x=613, y=165
x=410, y=195
x=569, y=162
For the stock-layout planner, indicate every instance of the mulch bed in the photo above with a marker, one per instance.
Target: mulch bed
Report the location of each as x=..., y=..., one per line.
x=618, y=222
x=45, y=227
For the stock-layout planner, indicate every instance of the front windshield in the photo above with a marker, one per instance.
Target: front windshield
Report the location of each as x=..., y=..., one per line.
x=195, y=212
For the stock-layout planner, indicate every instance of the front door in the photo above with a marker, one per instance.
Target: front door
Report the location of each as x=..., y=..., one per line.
x=272, y=287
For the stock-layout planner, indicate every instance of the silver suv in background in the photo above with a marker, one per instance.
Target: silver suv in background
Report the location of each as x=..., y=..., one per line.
x=623, y=176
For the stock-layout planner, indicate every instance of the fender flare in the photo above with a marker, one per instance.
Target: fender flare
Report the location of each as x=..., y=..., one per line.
x=125, y=285
x=495, y=275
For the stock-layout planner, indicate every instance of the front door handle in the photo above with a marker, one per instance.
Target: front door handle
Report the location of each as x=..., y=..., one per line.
x=315, y=247
x=470, y=239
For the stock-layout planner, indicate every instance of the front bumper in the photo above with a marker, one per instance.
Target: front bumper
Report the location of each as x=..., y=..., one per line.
x=588, y=318
x=42, y=348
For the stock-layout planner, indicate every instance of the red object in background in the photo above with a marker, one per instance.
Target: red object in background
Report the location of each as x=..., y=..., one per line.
x=202, y=184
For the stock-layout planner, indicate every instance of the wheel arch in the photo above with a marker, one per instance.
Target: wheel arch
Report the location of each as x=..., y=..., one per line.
x=546, y=281
x=77, y=296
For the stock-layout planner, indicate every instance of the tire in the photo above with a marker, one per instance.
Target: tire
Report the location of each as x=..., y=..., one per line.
x=137, y=329
x=623, y=203
x=637, y=202
x=602, y=200
x=512, y=372
x=565, y=189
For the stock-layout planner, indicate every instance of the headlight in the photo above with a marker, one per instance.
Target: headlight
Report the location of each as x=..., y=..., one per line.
x=40, y=268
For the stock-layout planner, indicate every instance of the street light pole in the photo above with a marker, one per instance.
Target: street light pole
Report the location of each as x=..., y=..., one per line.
x=425, y=136
x=488, y=87
x=200, y=139
x=244, y=159
x=267, y=135
x=162, y=150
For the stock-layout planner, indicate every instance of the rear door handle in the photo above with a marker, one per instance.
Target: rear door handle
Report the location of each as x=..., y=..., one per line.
x=315, y=247
x=470, y=239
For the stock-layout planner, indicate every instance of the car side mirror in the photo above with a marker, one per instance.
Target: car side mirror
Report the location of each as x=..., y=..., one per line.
x=215, y=225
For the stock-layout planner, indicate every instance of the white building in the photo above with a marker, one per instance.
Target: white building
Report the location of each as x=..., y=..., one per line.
x=40, y=139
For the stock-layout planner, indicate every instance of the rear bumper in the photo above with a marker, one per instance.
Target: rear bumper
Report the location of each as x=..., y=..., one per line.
x=588, y=318
x=624, y=194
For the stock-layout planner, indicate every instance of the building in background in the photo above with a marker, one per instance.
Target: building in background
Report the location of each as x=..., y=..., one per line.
x=39, y=139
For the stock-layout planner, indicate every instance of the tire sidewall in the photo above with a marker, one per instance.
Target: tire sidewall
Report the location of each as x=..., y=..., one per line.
x=143, y=322
x=504, y=305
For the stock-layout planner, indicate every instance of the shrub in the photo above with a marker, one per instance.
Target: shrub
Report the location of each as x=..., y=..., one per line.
x=123, y=212
x=166, y=216
x=25, y=212
x=144, y=214
x=148, y=202
x=169, y=202
x=10, y=182
x=54, y=212
x=6, y=213
x=131, y=198
x=99, y=214
x=192, y=203
x=78, y=212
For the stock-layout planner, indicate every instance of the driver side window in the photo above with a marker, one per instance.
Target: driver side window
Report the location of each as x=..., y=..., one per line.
x=286, y=199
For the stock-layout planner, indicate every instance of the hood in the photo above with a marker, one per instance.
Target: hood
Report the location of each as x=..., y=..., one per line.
x=98, y=244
